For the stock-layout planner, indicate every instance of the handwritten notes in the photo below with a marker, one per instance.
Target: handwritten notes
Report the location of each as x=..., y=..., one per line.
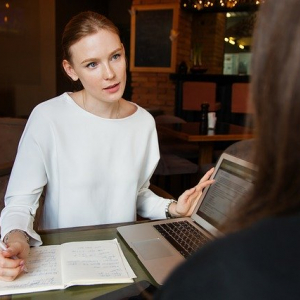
x=75, y=263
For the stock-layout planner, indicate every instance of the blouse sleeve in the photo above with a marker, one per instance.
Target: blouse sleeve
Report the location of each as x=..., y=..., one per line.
x=149, y=205
x=27, y=180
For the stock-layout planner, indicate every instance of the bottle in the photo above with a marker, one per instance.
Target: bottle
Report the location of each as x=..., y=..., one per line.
x=182, y=68
x=204, y=118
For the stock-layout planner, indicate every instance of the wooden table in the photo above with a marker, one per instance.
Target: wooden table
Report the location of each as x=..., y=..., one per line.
x=191, y=132
x=92, y=233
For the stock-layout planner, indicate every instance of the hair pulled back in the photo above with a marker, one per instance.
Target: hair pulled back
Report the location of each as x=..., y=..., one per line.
x=82, y=25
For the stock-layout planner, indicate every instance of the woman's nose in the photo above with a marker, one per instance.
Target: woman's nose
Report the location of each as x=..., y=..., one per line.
x=108, y=72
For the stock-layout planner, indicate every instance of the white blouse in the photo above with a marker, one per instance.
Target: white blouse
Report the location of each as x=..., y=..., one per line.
x=97, y=170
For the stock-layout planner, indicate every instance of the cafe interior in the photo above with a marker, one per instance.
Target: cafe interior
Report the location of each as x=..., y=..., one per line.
x=188, y=65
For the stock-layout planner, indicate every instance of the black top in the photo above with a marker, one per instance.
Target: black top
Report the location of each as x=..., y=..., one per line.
x=262, y=262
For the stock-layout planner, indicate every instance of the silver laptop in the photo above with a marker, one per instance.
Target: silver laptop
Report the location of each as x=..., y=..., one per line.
x=157, y=249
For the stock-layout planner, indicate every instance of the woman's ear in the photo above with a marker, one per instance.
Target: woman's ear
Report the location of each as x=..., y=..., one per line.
x=69, y=70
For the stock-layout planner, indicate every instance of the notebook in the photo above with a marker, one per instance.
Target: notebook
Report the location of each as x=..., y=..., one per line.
x=233, y=177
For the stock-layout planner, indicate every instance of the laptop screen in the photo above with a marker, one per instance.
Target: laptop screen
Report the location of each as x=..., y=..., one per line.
x=232, y=182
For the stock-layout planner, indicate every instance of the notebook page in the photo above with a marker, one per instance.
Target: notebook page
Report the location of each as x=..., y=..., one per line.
x=95, y=262
x=44, y=273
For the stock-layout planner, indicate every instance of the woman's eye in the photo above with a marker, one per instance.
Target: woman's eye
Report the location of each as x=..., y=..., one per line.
x=91, y=65
x=116, y=56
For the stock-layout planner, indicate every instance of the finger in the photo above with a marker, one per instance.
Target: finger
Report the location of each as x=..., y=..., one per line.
x=9, y=253
x=186, y=194
x=207, y=175
x=11, y=262
x=202, y=185
x=10, y=274
x=18, y=249
x=189, y=192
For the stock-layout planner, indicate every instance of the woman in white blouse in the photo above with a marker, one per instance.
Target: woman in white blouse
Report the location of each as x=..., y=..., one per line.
x=95, y=151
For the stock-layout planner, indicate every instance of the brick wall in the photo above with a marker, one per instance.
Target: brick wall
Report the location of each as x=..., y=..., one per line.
x=154, y=89
x=209, y=30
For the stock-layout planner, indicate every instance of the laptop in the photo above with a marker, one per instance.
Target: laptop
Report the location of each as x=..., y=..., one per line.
x=158, y=251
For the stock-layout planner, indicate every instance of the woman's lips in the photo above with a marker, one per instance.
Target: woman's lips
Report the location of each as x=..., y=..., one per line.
x=112, y=88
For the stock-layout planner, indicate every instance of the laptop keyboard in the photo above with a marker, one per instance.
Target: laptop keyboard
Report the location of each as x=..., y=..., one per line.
x=183, y=236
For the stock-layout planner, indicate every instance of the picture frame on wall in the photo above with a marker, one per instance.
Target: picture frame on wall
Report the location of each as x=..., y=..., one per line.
x=154, y=32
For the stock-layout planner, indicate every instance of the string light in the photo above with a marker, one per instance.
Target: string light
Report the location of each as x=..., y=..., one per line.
x=220, y=4
x=6, y=17
x=233, y=42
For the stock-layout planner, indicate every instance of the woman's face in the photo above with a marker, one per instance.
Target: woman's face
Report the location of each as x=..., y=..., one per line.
x=98, y=60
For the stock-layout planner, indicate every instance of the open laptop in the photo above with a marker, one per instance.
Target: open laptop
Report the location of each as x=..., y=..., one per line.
x=233, y=177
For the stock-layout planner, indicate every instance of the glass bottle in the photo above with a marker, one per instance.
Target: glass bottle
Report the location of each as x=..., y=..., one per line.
x=204, y=118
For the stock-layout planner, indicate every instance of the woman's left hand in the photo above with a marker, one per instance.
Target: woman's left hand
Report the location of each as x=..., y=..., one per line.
x=189, y=199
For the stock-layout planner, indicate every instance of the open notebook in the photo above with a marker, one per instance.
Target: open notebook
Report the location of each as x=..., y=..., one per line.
x=154, y=242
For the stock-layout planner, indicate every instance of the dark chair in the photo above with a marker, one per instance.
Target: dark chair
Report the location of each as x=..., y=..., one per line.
x=194, y=93
x=241, y=149
x=175, y=158
x=174, y=146
x=239, y=98
x=241, y=108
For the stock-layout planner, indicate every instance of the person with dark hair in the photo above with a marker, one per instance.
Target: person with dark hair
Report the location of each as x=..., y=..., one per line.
x=95, y=151
x=258, y=257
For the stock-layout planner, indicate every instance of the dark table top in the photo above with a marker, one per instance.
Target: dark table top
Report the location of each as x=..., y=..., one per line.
x=191, y=131
x=101, y=232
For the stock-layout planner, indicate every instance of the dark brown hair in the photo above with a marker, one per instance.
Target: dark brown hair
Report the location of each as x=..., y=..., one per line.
x=82, y=25
x=275, y=94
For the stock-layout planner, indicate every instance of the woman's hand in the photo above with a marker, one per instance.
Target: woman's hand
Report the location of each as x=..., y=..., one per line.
x=189, y=199
x=12, y=260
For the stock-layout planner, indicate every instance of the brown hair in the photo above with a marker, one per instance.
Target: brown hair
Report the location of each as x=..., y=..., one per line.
x=275, y=94
x=82, y=25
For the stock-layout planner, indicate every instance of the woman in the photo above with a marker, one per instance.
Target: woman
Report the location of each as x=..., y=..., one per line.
x=259, y=259
x=95, y=151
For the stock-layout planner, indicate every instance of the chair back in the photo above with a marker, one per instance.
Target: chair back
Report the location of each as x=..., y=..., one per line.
x=171, y=145
x=196, y=93
x=239, y=98
x=242, y=149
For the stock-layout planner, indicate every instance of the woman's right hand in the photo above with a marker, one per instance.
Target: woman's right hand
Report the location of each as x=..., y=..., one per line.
x=12, y=260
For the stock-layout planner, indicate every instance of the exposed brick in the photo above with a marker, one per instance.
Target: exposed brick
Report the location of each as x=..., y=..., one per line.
x=153, y=88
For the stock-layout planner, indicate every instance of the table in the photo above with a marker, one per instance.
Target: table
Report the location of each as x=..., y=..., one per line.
x=191, y=132
x=101, y=232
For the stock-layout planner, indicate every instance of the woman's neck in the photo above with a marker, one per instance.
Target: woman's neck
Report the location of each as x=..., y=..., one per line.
x=107, y=110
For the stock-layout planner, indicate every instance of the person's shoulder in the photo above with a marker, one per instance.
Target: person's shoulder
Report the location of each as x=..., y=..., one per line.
x=267, y=233
x=52, y=102
x=51, y=107
x=265, y=241
x=139, y=113
x=143, y=112
x=259, y=256
x=48, y=109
